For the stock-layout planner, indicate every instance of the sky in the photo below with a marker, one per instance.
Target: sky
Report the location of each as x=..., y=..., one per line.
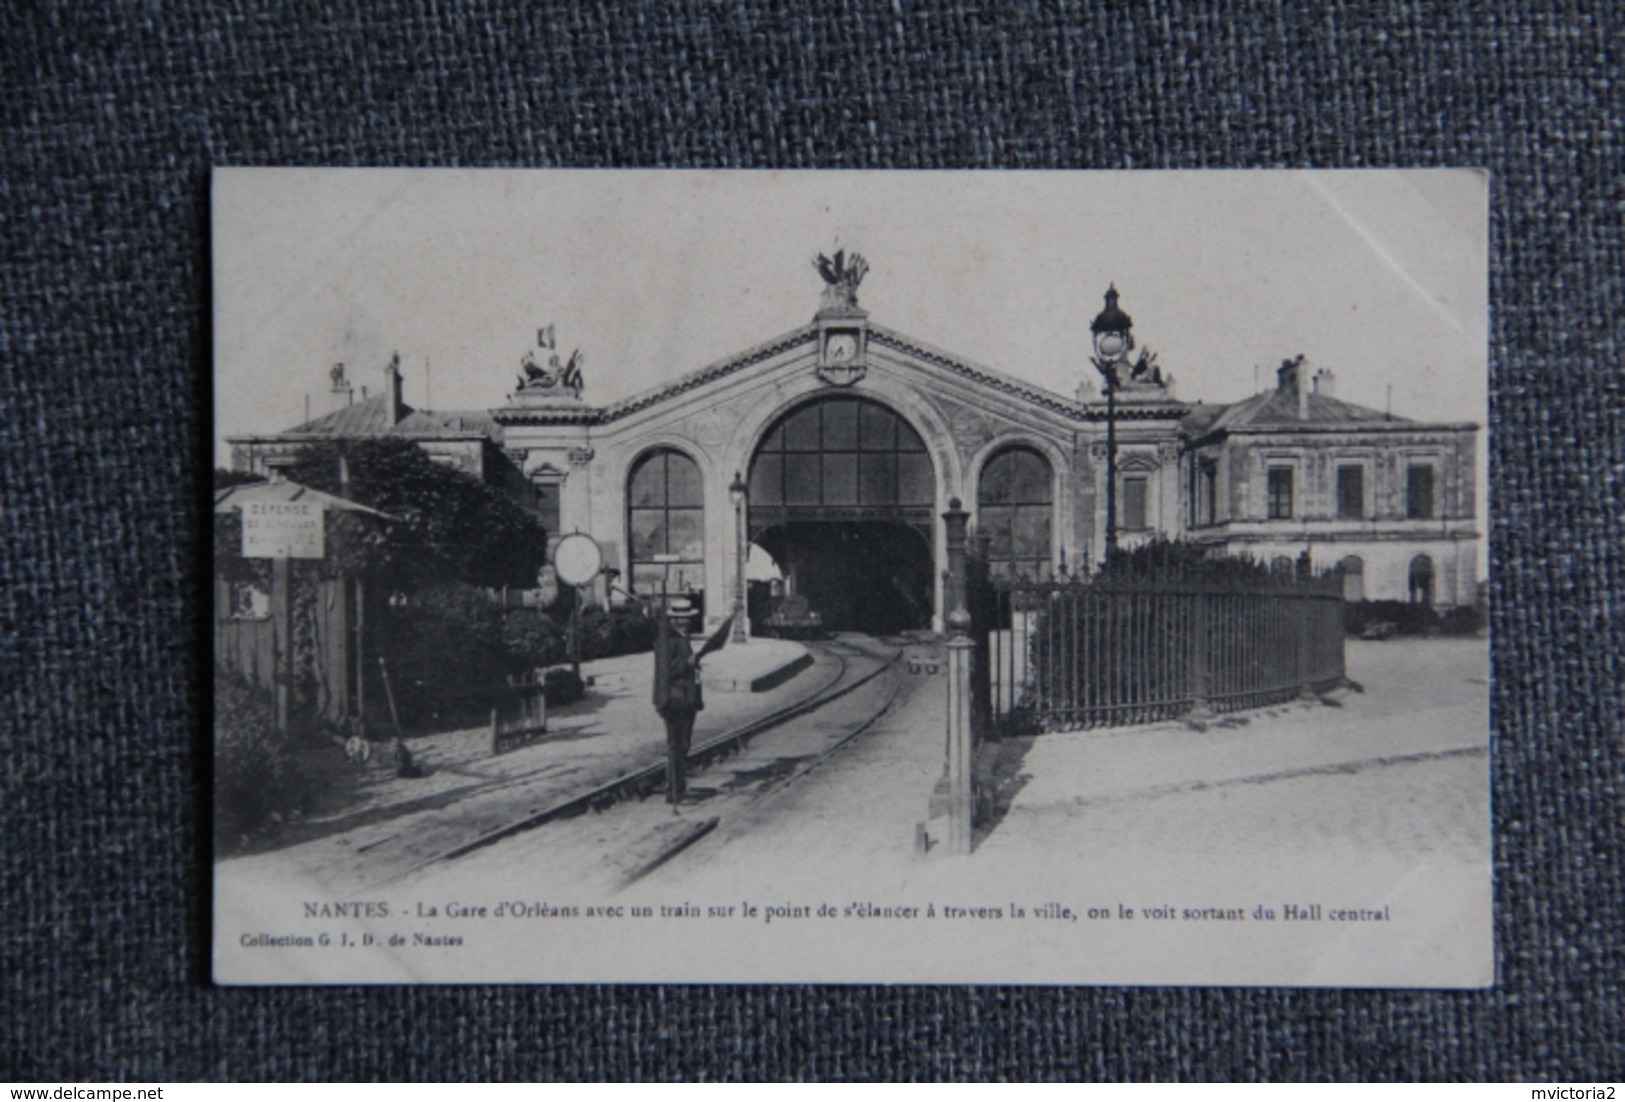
x=1378, y=275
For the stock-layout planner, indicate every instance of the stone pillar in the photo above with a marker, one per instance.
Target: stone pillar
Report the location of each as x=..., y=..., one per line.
x=961, y=738
x=954, y=522
x=741, y=597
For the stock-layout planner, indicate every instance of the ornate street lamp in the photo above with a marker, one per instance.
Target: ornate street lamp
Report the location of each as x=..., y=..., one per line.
x=1114, y=340
x=738, y=492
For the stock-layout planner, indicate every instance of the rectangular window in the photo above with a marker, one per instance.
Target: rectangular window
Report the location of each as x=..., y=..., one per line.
x=1134, y=499
x=548, y=495
x=1204, y=493
x=1419, y=492
x=1280, y=503
x=1350, y=493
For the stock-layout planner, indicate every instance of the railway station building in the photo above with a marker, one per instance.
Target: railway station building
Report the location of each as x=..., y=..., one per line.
x=832, y=450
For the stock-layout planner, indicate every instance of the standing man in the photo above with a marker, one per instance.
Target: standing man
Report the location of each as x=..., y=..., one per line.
x=677, y=693
x=677, y=698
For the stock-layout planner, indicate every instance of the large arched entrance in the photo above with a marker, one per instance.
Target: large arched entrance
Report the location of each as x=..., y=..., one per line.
x=841, y=495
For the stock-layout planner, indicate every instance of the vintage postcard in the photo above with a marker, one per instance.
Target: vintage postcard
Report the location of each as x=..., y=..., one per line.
x=854, y=577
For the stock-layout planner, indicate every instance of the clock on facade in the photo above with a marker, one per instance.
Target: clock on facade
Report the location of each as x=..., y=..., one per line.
x=841, y=364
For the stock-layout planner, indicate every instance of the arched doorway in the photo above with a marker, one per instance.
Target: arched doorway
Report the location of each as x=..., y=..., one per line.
x=842, y=493
x=1421, y=580
x=1353, y=568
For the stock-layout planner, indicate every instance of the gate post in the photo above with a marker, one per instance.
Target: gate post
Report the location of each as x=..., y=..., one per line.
x=961, y=740
x=980, y=601
x=283, y=675
x=1200, y=690
x=1305, y=636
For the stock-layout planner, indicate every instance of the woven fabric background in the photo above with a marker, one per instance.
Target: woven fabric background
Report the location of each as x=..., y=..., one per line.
x=113, y=116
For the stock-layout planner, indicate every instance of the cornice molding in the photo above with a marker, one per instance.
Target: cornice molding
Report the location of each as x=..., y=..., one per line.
x=720, y=369
x=977, y=373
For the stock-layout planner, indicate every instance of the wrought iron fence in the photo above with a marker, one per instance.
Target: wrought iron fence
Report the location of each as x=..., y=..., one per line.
x=1120, y=650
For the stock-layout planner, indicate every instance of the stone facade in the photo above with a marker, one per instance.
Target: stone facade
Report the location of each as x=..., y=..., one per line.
x=1268, y=477
x=1390, y=499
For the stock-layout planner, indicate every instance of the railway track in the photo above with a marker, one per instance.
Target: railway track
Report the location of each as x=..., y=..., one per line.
x=732, y=767
x=752, y=781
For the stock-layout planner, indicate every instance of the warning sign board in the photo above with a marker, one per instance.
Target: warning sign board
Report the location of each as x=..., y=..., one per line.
x=282, y=530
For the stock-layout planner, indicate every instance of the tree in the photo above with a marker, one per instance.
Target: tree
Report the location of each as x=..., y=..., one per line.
x=448, y=526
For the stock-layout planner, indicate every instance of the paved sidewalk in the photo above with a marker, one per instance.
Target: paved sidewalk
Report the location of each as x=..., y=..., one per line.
x=392, y=823
x=1397, y=772
x=1388, y=793
x=1420, y=701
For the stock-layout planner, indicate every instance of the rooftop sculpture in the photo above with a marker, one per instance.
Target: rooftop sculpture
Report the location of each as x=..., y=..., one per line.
x=841, y=278
x=553, y=375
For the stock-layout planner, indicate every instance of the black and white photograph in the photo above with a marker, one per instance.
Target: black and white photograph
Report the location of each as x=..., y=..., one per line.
x=851, y=577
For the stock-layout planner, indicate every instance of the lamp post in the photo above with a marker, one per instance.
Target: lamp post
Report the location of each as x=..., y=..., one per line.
x=1114, y=339
x=739, y=492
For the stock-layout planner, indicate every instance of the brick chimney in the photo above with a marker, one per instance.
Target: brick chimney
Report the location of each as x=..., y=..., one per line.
x=1290, y=378
x=1326, y=382
x=342, y=393
x=392, y=389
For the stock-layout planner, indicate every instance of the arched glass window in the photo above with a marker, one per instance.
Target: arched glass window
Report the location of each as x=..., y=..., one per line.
x=1014, y=504
x=1353, y=568
x=665, y=517
x=841, y=458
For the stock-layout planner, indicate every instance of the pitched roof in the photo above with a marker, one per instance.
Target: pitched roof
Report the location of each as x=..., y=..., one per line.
x=234, y=497
x=368, y=417
x=371, y=417
x=423, y=421
x=1279, y=409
